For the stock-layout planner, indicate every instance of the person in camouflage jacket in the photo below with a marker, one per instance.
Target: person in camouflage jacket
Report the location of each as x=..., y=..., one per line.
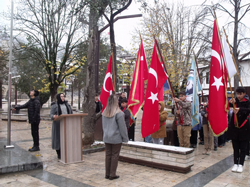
x=183, y=119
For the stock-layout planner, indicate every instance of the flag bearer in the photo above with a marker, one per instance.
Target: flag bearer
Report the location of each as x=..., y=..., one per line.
x=239, y=132
x=183, y=119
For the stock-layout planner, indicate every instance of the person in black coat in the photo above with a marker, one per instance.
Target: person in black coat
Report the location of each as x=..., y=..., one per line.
x=239, y=133
x=33, y=106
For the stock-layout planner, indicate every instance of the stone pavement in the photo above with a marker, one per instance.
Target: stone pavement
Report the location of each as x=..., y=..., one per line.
x=209, y=171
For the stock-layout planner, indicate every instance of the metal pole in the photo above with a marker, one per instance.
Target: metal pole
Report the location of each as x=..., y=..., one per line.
x=72, y=93
x=79, y=97
x=9, y=81
x=15, y=94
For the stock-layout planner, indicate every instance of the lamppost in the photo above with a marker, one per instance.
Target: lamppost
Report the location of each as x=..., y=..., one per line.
x=72, y=77
x=9, y=83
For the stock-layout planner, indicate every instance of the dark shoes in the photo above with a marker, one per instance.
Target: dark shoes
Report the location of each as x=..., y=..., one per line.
x=115, y=177
x=193, y=146
x=35, y=148
x=215, y=149
x=111, y=178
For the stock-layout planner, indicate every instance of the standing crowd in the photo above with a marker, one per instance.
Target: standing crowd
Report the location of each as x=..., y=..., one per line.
x=117, y=127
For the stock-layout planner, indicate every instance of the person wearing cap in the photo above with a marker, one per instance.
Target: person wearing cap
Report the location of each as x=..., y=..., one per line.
x=33, y=106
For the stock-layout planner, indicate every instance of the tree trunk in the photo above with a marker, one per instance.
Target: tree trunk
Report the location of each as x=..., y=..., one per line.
x=1, y=93
x=113, y=48
x=88, y=125
x=53, y=91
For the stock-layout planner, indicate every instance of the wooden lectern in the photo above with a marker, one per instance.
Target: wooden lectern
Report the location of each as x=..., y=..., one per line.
x=71, y=137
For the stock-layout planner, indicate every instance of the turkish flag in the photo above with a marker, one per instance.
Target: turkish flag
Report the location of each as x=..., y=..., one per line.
x=137, y=91
x=107, y=87
x=156, y=79
x=218, y=101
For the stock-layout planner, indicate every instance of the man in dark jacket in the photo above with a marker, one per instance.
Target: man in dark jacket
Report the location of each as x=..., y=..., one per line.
x=239, y=128
x=33, y=106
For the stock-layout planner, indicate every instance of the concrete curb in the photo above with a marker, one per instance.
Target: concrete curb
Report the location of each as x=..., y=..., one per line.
x=94, y=150
x=21, y=167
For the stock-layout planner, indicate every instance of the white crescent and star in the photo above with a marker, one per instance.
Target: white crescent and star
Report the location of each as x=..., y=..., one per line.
x=217, y=83
x=105, y=79
x=153, y=97
x=216, y=55
x=153, y=72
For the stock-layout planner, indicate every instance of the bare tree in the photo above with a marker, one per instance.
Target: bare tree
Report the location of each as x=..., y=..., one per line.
x=179, y=30
x=53, y=25
x=95, y=9
x=237, y=12
x=3, y=70
x=114, y=8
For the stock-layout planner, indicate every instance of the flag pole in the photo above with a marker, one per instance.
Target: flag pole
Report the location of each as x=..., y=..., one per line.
x=232, y=57
x=113, y=72
x=164, y=66
x=163, y=61
x=198, y=76
x=222, y=60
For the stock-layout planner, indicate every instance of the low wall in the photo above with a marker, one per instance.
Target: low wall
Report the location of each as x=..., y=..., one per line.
x=14, y=117
x=178, y=159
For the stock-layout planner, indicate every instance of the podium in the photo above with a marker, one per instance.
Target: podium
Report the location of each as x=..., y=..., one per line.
x=71, y=137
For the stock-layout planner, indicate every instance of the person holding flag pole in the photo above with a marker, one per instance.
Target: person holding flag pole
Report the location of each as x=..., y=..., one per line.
x=232, y=69
x=239, y=126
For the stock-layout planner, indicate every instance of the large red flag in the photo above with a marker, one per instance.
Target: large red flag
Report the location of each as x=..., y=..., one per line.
x=218, y=102
x=107, y=87
x=136, y=95
x=156, y=79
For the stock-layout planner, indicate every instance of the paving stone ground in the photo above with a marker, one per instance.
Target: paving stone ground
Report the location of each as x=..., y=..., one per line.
x=91, y=172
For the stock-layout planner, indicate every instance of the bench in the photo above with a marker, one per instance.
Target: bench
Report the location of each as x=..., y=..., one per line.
x=177, y=159
x=14, y=117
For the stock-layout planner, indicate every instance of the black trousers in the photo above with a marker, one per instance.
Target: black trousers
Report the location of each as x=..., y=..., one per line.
x=131, y=132
x=222, y=139
x=247, y=150
x=240, y=148
x=176, y=139
x=193, y=138
x=35, y=133
x=201, y=134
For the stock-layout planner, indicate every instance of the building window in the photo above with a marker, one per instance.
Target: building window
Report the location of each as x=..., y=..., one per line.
x=207, y=77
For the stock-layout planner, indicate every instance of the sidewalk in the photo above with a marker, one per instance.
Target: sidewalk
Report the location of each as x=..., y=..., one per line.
x=209, y=171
